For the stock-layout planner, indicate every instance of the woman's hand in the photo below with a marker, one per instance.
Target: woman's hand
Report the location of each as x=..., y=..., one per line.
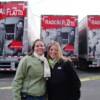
x=66, y=58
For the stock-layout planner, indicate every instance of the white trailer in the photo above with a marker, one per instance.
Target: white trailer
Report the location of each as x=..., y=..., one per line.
x=14, y=40
x=61, y=28
x=89, y=41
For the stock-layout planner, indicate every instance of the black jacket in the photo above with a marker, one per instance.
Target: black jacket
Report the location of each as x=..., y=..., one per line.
x=64, y=83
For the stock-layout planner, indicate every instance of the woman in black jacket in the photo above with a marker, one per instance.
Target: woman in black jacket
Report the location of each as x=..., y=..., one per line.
x=64, y=83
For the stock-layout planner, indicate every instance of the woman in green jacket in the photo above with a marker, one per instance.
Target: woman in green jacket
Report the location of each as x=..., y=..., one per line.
x=31, y=74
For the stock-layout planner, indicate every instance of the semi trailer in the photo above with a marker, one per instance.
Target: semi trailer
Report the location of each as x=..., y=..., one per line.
x=89, y=41
x=63, y=29
x=14, y=40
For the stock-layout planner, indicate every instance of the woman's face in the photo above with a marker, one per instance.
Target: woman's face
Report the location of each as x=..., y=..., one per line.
x=39, y=48
x=53, y=51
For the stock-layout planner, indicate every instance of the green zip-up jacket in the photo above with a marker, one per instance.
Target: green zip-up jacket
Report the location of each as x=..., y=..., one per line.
x=29, y=78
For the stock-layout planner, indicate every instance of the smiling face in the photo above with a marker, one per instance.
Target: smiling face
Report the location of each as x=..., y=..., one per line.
x=53, y=52
x=39, y=48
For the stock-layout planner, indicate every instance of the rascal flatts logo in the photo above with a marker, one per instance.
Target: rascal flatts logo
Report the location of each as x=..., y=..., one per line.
x=12, y=9
x=50, y=21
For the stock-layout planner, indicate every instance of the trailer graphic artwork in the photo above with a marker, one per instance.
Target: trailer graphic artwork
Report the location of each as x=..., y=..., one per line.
x=61, y=29
x=12, y=15
x=94, y=36
x=13, y=33
x=89, y=41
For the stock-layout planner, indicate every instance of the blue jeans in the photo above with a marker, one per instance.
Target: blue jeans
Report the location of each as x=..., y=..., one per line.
x=35, y=97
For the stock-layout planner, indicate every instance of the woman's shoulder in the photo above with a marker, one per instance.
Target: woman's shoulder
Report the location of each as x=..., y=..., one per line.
x=64, y=62
x=67, y=64
x=25, y=58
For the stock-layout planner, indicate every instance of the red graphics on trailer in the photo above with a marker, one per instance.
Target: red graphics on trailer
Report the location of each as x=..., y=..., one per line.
x=13, y=33
x=61, y=28
x=94, y=22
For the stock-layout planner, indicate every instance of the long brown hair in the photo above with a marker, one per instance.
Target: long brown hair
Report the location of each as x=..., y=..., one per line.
x=32, y=49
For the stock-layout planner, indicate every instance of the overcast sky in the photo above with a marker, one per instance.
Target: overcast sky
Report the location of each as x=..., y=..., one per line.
x=59, y=7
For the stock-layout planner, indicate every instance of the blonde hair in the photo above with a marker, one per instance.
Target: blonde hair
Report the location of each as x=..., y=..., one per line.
x=59, y=51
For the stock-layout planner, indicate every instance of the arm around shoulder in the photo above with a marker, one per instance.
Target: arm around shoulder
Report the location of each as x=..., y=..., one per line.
x=66, y=58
